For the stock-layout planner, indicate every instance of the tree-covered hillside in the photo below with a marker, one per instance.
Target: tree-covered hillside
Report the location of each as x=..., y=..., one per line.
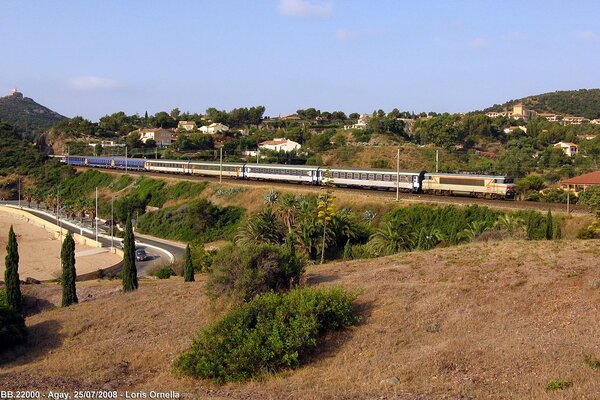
x=581, y=103
x=26, y=116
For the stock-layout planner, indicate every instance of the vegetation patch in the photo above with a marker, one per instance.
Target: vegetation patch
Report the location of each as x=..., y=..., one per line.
x=592, y=362
x=556, y=384
x=12, y=328
x=242, y=272
x=198, y=220
x=164, y=273
x=270, y=333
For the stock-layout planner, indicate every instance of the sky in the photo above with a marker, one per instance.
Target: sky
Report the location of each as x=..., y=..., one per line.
x=93, y=58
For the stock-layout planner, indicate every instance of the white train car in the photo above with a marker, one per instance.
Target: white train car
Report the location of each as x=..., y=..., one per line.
x=487, y=186
x=170, y=166
x=371, y=178
x=231, y=170
x=277, y=172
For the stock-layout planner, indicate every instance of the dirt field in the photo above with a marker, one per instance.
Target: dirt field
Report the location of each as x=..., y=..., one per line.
x=39, y=251
x=494, y=320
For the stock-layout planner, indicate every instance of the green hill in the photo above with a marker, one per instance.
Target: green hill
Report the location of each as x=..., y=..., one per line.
x=26, y=116
x=581, y=103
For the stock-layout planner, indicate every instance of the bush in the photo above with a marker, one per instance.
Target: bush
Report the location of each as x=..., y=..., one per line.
x=556, y=384
x=199, y=220
x=271, y=333
x=164, y=273
x=12, y=328
x=242, y=272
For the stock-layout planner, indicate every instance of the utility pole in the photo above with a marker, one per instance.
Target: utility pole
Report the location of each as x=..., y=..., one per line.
x=156, y=152
x=257, y=153
x=57, y=212
x=568, y=199
x=398, y=175
x=112, y=220
x=437, y=160
x=220, y=165
x=19, y=192
x=96, y=214
x=125, y=158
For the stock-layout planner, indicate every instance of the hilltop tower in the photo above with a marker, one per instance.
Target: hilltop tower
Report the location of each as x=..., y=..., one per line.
x=16, y=94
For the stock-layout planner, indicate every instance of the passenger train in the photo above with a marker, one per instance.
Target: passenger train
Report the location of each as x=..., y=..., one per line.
x=486, y=186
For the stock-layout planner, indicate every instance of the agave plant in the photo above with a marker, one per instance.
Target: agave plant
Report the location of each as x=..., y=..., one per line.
x=510, y=223
x=271, y=197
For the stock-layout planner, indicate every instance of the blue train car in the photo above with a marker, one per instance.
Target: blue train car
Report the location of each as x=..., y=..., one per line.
x=103, y=162
x=74, y=160
x=137, y=164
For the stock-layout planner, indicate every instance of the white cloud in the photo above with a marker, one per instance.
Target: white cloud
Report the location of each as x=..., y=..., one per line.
x=479, y=43
x=350, y=34
x=588, y=35
x=304, y=8
x=92, y=83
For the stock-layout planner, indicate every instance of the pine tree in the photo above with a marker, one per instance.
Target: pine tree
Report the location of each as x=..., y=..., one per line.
x=129, y=271
x=69, y=274
x=549, y=226
x=188, y=267
x=14, y=299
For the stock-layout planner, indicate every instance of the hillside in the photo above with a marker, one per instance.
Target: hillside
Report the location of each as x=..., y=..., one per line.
x=581, y=103
x=27, y=116
x=480, y=321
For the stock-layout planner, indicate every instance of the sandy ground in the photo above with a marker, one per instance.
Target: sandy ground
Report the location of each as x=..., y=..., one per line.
x=494, y=320
x=39, y=251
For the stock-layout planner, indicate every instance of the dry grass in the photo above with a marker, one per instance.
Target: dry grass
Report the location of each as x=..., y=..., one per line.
x=485, y=321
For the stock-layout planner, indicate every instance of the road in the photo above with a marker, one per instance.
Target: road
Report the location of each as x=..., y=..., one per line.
x=160, y=252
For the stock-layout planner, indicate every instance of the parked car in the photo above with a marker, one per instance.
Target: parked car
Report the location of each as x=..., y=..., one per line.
x=140, y=255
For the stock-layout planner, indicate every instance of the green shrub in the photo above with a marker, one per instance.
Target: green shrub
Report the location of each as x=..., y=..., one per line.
x=122, y=183
x=198, y=220
x=585, y=233
x=592, y=362
x=242, y=272
x=271, y=333
x=164, y=273
x=3, y=296
x=12, y=328
x=556, y=384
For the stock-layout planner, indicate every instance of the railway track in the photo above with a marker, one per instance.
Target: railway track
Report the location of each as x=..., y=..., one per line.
x=383, y=194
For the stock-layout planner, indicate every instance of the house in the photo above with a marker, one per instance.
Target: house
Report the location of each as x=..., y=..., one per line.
x=581, y=182
x=568, y=148
x=290, y=117
x=519, y=111
x=549, y=117
x=496, y=114
x=279, y=144
x=362, y=123
x=108, y=143
x=213, y=128
x=574, y=120
x=162, y=137
x=187, y=125
x=595, y=121
x=511, y=129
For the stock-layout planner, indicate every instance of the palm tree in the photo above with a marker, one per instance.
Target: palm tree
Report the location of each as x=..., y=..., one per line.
x=271, y=197
x=288, y=210
x=429, y=238
x=28, y=195
x=263, y=227
x=474, y=229
x=390, y=240
x=510, y=223
x=51, y=202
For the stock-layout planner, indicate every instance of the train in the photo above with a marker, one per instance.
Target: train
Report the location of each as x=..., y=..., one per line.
x=444, y=184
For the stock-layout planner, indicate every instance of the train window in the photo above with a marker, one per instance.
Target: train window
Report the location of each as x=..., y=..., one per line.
x=379, y=177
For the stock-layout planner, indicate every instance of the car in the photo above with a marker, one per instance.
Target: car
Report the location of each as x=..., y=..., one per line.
x=140, y=255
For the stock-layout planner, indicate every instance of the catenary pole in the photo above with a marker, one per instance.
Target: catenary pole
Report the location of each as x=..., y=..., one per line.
x=398, y=175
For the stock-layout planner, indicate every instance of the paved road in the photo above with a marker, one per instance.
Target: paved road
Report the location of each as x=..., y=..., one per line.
x=160, y=252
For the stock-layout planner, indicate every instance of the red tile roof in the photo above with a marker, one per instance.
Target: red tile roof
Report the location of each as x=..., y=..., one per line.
x=593, y=178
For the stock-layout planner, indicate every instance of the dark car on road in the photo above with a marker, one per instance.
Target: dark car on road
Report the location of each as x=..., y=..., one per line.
x=140, y=255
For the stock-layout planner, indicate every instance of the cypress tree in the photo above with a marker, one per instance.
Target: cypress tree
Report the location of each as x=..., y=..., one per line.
x=549, y=226
x=129, y=271
x=14, y=299
x=188, y=267
x=69, y=274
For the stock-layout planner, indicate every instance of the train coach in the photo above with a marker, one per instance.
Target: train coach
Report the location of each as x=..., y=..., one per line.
x=408, y=181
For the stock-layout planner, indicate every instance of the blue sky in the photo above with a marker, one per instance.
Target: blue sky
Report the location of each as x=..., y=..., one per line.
x=91, y=58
